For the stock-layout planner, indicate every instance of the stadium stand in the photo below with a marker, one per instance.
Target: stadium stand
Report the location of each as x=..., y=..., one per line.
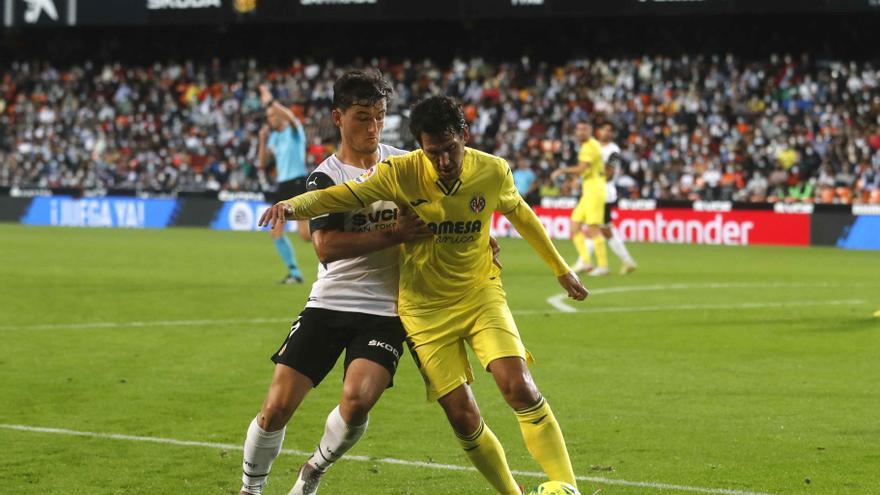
x=740, y=125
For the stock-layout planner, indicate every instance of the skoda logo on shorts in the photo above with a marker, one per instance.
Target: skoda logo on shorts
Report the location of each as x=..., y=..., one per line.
x=478, y=203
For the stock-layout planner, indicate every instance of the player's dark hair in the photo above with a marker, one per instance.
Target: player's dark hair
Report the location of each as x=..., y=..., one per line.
x=436, y=115
x=359, y=87
x=609, y=124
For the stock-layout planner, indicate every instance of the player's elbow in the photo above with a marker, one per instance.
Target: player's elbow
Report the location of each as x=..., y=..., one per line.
x=328, y=258
x=324, y=250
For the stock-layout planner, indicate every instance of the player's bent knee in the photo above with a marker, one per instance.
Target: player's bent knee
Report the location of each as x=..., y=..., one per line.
x=519, y=393
x=461, y=411
x=275, y=415
x=464, y=421
x=355, y=406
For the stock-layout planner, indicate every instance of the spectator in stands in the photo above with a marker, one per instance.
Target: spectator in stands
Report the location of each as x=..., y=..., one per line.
x=526, y=182
x=194, y=125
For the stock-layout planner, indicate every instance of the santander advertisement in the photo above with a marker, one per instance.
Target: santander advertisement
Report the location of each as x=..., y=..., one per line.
x=684, y=226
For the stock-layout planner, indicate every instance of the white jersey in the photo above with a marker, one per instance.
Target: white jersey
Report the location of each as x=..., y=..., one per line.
x=368, y=283
x=609, y=150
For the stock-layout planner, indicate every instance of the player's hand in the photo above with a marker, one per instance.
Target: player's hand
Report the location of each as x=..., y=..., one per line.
x=555, y=174
x=410, y=227
x=264, y=133
x=265, y=94
x=275, y=215
x=496, y=249
x=572, y=284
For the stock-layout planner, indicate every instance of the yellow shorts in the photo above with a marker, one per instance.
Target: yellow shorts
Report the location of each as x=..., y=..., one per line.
x=590, y=210
x=437, y=339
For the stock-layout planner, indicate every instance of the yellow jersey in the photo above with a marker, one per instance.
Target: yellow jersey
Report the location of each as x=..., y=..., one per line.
x=593, y=177
x=442, y=270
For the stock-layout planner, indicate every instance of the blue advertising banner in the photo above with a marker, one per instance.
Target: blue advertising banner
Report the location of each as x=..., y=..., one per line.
x=65, y=211
x=864, y=233
x=243, y=215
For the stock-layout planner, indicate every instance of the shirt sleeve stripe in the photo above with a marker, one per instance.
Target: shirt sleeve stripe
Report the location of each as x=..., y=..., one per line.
x=505, y=213
x=355, y=195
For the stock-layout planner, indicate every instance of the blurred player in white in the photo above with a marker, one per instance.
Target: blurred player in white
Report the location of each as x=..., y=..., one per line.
x=612, y=160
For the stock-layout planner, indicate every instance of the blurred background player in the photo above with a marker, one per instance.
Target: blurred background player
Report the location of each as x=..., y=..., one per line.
x=283, y=138
x=352, y=305
x=590, y=210
x=612, y=160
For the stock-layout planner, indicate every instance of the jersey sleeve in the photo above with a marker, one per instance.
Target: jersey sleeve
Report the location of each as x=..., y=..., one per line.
x=587, y=153
x=377, y=183
x=297, y=133
x=272, y=143
x=509, y=195
x=331, y=221
x=524, y=220
x=614, y=160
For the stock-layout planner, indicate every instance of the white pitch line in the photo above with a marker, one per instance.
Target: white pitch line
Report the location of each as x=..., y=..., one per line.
x=361, y=458
x=721, y=285
x=558, y=302
x=696, y=307
x=559, y=305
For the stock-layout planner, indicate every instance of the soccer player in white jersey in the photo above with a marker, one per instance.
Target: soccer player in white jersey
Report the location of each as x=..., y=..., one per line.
x=353, y=303
x=612, y=160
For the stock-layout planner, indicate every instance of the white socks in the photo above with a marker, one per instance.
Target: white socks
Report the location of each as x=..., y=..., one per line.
x=260, y=449
x=616, y=244
x=338, y=438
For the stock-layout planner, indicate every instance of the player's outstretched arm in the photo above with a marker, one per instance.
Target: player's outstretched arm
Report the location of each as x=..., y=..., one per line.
x=267, y=100
x=334, y=245
x=573, y=286
x=336, y=199
x=263, y=153
x=377, y=183
x=529, y=227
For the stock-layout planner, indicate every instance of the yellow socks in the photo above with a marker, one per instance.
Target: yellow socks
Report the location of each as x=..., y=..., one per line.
x=578, y=240
x=487, y=455
x=544, y=440
x=601, y=251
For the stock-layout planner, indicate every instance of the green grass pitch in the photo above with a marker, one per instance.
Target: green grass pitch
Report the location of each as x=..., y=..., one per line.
x=714, y=369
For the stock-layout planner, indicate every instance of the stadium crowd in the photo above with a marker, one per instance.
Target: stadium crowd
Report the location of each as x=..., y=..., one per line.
x=781, y=128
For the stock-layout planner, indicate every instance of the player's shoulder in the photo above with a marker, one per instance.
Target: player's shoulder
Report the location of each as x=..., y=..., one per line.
x=611, y=147
x=328, y=173
x=387, y=151
x=483, y=158
x=588, y=147
x=593, y=147
x=403, y=161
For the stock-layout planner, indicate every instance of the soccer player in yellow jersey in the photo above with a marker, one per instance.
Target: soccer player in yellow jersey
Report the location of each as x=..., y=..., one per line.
x=450, y=291
x=590, y=210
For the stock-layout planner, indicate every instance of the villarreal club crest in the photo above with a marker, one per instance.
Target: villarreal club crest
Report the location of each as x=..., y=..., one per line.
x=478, y=203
